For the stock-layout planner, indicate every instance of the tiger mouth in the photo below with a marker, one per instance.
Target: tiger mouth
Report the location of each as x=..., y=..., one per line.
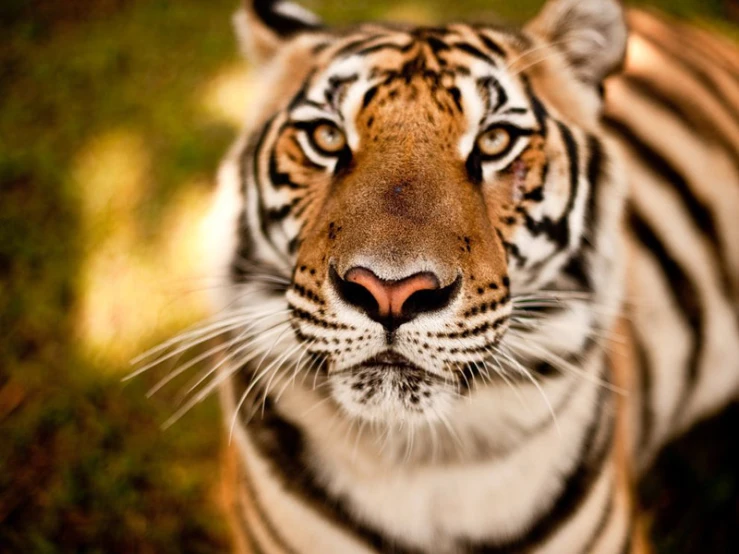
x=390, y=361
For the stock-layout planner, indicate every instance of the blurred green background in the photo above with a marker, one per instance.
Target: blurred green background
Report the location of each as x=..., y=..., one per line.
x=113, y=117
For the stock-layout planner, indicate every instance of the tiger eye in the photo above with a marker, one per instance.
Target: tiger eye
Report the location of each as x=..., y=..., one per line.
x=329, y=138
x=494, y=142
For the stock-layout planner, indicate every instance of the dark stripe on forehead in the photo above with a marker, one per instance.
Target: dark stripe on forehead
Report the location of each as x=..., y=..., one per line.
x=336, y=85
x=540, y=112
x=403, y=48
x=369, y=95
x=486, y=84
x=491, y=45
x=437, y=45
x=475, y=52
x=353, y=45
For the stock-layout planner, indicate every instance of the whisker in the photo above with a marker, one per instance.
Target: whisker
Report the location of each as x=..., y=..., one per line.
x=526, y=373
x=296, y=371
x=562, y=363
x=205, y=391
x=277, y=364
x=250, y=342
x=199, y=329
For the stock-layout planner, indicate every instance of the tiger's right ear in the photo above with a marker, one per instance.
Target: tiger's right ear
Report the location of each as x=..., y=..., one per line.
x=264, y=26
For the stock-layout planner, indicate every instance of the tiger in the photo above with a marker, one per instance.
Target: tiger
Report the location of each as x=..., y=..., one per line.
x=474, y=277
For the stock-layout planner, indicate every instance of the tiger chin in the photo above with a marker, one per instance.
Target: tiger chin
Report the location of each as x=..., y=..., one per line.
x=475, y=276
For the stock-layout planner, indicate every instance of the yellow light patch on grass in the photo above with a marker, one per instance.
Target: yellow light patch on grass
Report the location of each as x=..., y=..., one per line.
x=134, y=287
x=110, y=174
x=226, y=95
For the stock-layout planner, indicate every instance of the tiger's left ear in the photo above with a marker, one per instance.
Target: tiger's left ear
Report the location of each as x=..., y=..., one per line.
x=264, y=26
x=591, y=33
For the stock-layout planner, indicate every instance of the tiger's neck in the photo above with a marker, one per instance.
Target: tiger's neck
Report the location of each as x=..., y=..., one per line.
x=549, y=478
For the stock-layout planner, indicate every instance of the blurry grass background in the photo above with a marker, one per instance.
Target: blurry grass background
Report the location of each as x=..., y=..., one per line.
x=113, y=117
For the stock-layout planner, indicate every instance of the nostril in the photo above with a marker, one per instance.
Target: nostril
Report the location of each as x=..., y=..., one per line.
x=380, y=290
x=424, y=301
x=393, y=303
x=353, y=293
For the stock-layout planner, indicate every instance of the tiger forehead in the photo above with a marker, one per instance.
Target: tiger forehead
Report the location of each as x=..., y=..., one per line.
x=420, y=78
x=436, y=57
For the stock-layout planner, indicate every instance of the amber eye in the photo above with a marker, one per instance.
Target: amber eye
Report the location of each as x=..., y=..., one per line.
x=494, y=142
x=328, y=138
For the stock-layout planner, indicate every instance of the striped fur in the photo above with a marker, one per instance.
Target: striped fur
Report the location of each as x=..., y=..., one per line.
x=593, y=270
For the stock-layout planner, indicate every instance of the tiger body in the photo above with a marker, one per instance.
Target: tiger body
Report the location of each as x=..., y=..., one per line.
x=574, y=278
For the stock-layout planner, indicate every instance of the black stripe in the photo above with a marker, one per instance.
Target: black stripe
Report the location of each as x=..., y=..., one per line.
x=700, y=213
x=540, y=112
x=577, y=270
x=386, y=46
x=263, y=221
x=278, y=215
x=437, y=45
x=501, y=95
x=700, y=42
x=269, y=527
x=559, y=231
x=368, y=96
x=701, y=76
x=578, y=484
x=245, y=247
x=684, y=294
x=283, y=445
x=278, y=178
x=354, y=44
x=646, y=410
x=472, y=51
x=574, y=158
x=600, y=527
x=240, y=508
x=596, y=161
x=686, y=110
x=491, y=45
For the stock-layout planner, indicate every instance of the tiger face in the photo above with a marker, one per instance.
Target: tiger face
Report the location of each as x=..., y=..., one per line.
x=416, y=186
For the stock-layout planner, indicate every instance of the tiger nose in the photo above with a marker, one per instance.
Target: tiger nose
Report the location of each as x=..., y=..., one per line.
x=392, y=303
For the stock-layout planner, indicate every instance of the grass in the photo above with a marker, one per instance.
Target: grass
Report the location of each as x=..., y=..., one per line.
x=113, y=116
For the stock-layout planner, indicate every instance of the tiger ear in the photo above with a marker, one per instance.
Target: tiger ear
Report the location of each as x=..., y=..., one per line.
x=591, y=33
x=264, y=26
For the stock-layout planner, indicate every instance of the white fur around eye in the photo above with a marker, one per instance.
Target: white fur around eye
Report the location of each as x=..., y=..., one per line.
x=313, y=155
x=492, y=167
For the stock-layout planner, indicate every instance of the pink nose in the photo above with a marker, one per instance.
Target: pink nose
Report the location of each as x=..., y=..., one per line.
x=391, y=295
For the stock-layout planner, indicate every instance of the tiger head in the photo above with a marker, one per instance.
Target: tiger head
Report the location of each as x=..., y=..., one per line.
x=420, y=192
